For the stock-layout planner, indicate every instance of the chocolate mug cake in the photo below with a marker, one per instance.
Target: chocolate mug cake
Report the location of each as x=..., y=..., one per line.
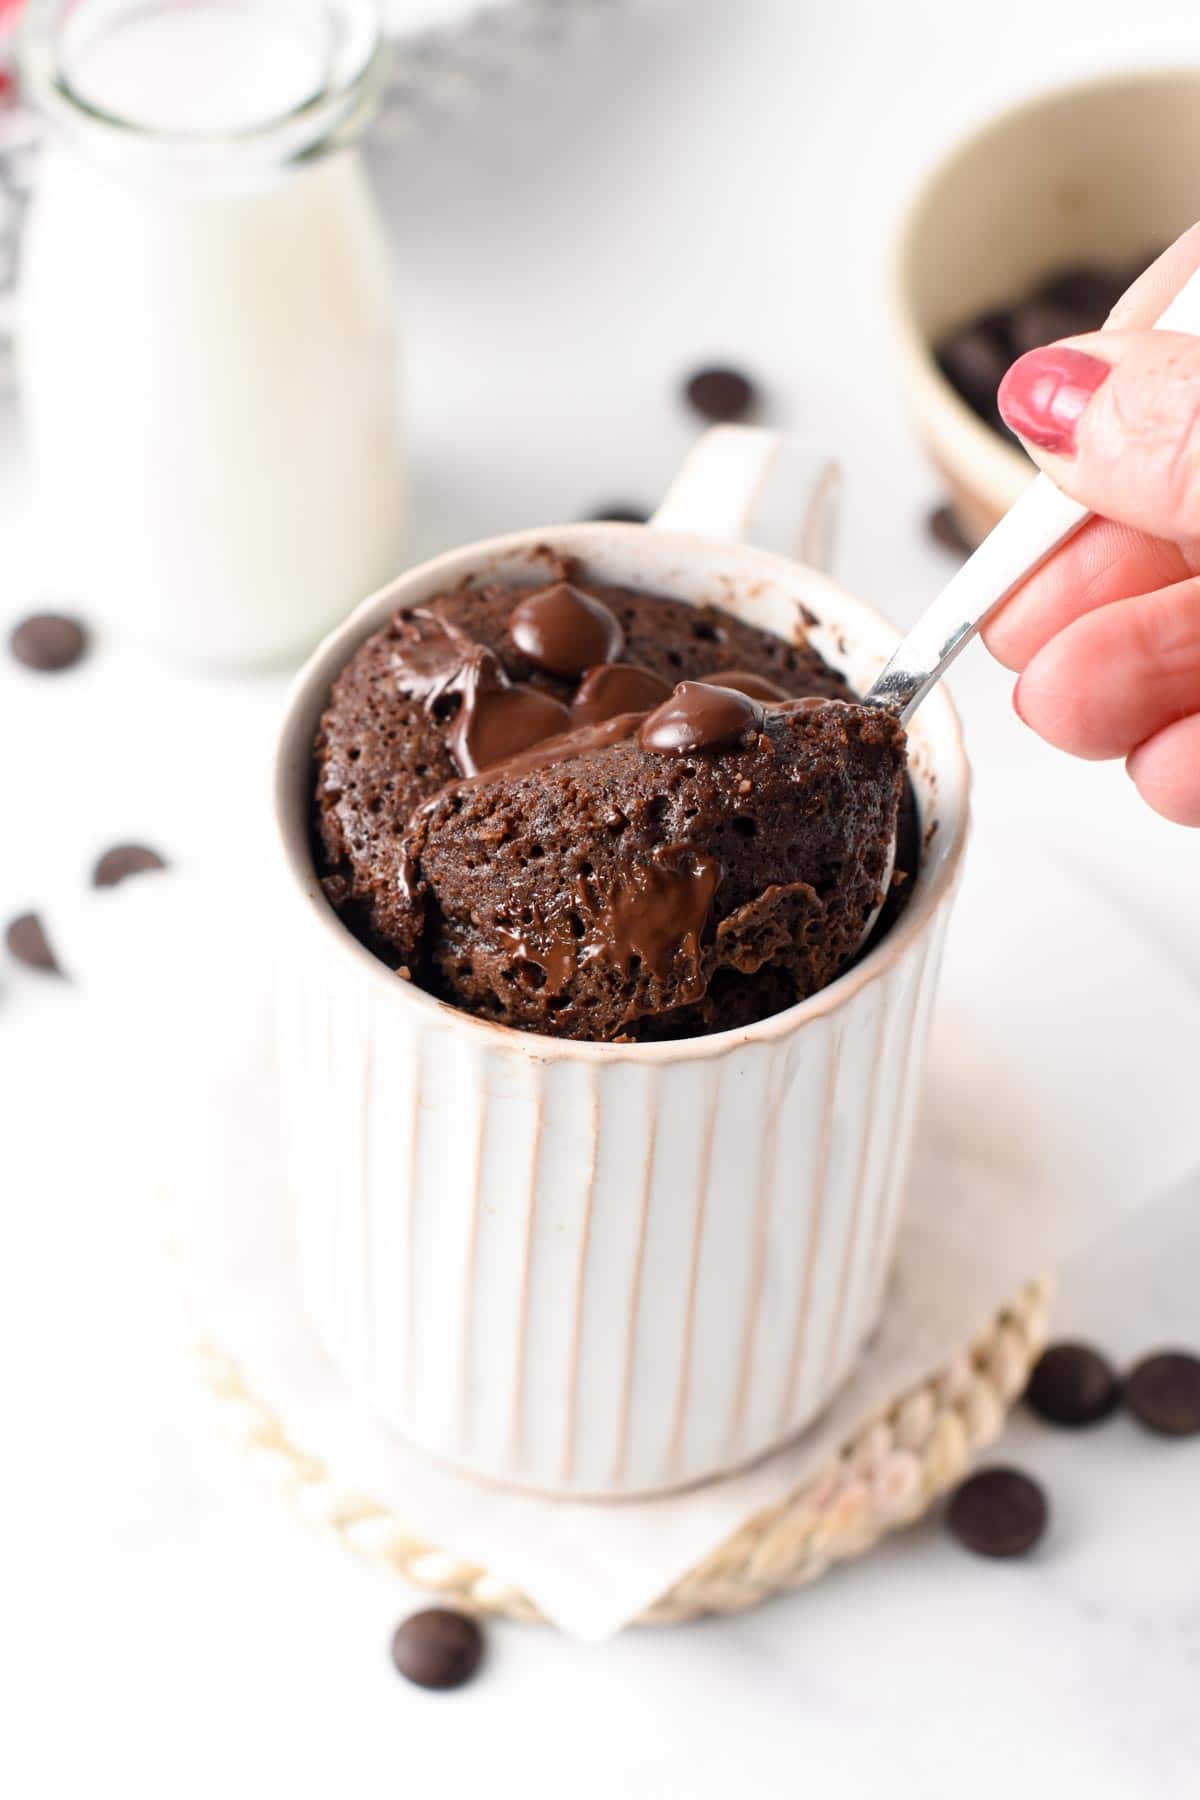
x=588, y=1205
x=595, y=812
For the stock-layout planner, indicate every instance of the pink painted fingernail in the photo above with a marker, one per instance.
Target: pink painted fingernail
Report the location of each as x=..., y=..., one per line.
x=1045, y=393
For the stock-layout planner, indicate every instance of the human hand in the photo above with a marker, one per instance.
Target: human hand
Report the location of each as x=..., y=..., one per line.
x=1106, y=634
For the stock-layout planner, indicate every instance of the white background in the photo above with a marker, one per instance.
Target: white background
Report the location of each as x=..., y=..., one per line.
x=693, y=180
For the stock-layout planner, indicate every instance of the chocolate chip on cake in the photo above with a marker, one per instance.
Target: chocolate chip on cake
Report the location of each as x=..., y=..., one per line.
x=438, y=1648
x=27, y=943
x=720, y=395
x=998, y=1512
x=122, y=861
x=699, y=716
x=614, y=688
x=48, y=642
x=1073, y=1385
x=1163, y=1393
x=565, y=631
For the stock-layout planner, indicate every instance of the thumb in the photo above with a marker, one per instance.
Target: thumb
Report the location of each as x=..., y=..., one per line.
x=1114, y=419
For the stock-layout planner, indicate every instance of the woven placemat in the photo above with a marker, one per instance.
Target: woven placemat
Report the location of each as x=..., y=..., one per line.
x=884, y=1477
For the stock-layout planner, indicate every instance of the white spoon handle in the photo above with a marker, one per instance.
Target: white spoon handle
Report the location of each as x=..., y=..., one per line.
x=1031, y=530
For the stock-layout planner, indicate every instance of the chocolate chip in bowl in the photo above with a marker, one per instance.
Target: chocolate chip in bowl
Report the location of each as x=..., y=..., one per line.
x=975, y=357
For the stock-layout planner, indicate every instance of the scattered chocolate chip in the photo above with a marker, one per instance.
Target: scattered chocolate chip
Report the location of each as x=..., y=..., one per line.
x=1163, y=1393
x=944, y=528
x=998, y=1512
x=720, y=395
x=438, y=1648
x=48, y=642
x=122, y=861
x=27, y=942
x=1072, y=1384
x=621, y=512
x=1039, y=322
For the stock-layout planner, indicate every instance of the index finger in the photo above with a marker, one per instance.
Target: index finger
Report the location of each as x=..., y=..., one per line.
x=1144, y=302
x=1102, y=563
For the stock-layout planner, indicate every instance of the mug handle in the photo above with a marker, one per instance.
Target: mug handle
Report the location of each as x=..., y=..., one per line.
x=749, y=486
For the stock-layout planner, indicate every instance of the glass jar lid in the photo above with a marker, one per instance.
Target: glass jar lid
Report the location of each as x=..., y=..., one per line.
x=203, y=84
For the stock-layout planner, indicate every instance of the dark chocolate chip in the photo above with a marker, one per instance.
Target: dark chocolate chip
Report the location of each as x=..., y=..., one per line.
x=122, y=861
x=943, y=526
x=998, y=1512
x=974, y=361
x=720, y=395
x=1039, y=322
x=1089, y=290
x=1072, y=1384
x=565, y=630
x=438, y=1648
x=48, y=642
x=1163, y=1393
x=698, y=716
x=621, y=512
x=27, y=942
x=745, y=681
x=615, y=688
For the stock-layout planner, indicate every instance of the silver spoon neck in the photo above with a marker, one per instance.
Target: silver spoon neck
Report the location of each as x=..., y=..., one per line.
x=1030, y=531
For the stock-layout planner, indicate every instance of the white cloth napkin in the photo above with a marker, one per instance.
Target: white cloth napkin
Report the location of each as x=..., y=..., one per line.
x=1060, y=1097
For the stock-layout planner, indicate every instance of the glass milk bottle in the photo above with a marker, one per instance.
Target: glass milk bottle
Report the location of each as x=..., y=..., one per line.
x=207, y=340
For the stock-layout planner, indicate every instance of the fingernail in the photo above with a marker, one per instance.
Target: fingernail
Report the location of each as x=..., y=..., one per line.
x=1016, y=700
x=1044, y=395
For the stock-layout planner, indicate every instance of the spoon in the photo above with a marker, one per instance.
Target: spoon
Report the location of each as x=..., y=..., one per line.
x=1032, y=529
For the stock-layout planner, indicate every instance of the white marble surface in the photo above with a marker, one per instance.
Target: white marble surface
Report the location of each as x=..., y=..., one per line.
x=703, y=178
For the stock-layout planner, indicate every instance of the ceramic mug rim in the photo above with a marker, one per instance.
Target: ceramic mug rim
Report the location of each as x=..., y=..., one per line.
x=292, y=824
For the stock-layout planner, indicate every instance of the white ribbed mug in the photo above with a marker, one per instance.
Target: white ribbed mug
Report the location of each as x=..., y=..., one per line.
x=599, y=1269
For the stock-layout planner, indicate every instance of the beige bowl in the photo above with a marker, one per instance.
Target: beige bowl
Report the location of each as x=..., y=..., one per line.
x=1102, y=172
